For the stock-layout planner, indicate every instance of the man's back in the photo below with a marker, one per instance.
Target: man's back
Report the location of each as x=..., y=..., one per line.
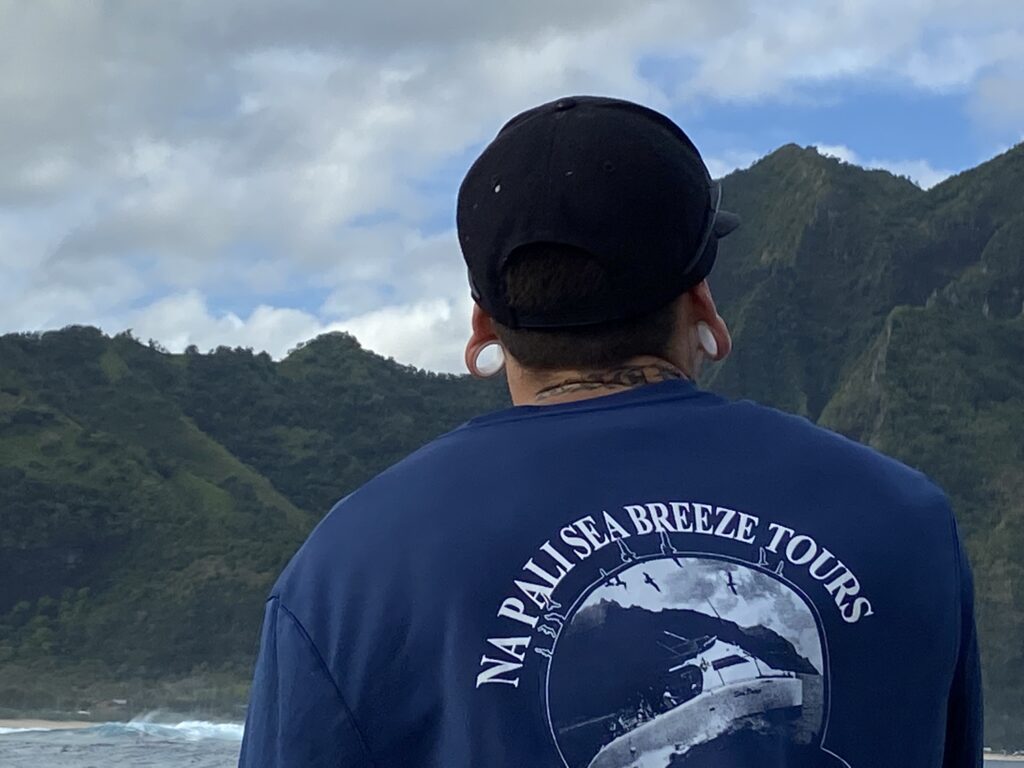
x=652, y=578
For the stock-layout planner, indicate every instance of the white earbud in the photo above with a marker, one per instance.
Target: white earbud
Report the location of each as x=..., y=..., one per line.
x=707, y=339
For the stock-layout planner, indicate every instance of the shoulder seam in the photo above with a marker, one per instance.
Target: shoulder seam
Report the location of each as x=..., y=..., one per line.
x=327, y=671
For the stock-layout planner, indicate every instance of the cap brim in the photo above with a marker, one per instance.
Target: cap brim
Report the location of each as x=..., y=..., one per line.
x=725, y=223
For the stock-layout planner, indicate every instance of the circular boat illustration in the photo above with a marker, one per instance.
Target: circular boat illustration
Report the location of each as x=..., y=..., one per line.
x=684, y=659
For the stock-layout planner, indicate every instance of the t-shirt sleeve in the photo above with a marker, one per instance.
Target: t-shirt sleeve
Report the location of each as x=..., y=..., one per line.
x=964, y=717
x=297, y=717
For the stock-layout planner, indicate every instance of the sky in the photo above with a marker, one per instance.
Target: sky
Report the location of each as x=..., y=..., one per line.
x=253, y=173
x=702, y=585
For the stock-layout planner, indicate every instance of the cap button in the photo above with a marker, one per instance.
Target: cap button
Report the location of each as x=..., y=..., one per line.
x=563, y=104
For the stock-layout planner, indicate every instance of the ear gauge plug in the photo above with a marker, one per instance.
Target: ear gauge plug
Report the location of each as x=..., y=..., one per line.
x=707, y=339
x=486, y=361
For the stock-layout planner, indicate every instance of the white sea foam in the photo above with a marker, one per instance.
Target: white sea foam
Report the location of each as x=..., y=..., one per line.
x=187, y=730
x=20, y=730
x=154, y=724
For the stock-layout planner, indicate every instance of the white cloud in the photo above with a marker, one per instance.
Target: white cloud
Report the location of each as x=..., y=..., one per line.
x=839, y=152
x=724, y=164
x=998, y=100
x=918, y=171
x=179, y=320
x=176, y=151
x=428, y=334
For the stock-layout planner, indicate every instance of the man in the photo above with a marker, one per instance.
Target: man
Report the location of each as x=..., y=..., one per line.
x=506, y=595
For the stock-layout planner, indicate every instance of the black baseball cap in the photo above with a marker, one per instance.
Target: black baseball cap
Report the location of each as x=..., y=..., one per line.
x=616, y=180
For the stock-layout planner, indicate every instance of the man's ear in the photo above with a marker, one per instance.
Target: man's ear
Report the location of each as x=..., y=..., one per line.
x=482, y=334
x=482, y=327
x=704, y=310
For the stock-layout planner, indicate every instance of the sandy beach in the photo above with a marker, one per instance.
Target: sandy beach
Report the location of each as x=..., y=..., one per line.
x=47, y=724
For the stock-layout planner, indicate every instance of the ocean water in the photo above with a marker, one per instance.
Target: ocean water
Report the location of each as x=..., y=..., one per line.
x=138, y=744
x=143, y=743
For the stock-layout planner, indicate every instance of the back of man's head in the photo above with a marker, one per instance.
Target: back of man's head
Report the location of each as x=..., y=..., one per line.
x=551, y=275
x=581, y=224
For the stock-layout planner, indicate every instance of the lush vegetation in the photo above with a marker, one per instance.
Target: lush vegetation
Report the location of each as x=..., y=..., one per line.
x=896, y=316
x=147, y=500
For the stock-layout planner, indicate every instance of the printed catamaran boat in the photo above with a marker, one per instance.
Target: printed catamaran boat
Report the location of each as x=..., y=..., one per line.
x=710, y=686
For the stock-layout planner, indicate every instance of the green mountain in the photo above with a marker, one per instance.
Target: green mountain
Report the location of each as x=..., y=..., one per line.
x=896, y=316
x=147, y=500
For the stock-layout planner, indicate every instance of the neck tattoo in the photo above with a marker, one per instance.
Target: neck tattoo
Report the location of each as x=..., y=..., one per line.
x=626, y=377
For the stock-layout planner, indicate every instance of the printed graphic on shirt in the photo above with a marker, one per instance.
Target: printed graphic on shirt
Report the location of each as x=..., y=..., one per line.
x=669, y=661
x=677, y=634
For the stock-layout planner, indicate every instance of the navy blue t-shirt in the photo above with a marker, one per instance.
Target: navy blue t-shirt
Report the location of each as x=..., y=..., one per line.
x=653, y=578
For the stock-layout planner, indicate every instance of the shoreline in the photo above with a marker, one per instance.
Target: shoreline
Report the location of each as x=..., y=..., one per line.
x=71, y=725
x=48, y=725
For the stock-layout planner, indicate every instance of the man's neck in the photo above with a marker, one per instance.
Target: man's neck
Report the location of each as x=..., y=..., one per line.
x=549, y=388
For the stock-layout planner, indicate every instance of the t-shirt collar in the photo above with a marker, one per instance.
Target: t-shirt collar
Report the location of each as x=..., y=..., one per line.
x=661, y=390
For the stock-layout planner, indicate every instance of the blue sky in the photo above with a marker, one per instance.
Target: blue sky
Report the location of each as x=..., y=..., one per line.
x=254, y=173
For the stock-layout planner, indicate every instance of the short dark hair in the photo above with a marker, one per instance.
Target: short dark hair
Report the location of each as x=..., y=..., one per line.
x=544, y=275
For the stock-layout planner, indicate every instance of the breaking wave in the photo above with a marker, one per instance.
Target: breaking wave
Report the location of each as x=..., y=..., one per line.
x=187, y=730
x=148, y=726
x=20, y=730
